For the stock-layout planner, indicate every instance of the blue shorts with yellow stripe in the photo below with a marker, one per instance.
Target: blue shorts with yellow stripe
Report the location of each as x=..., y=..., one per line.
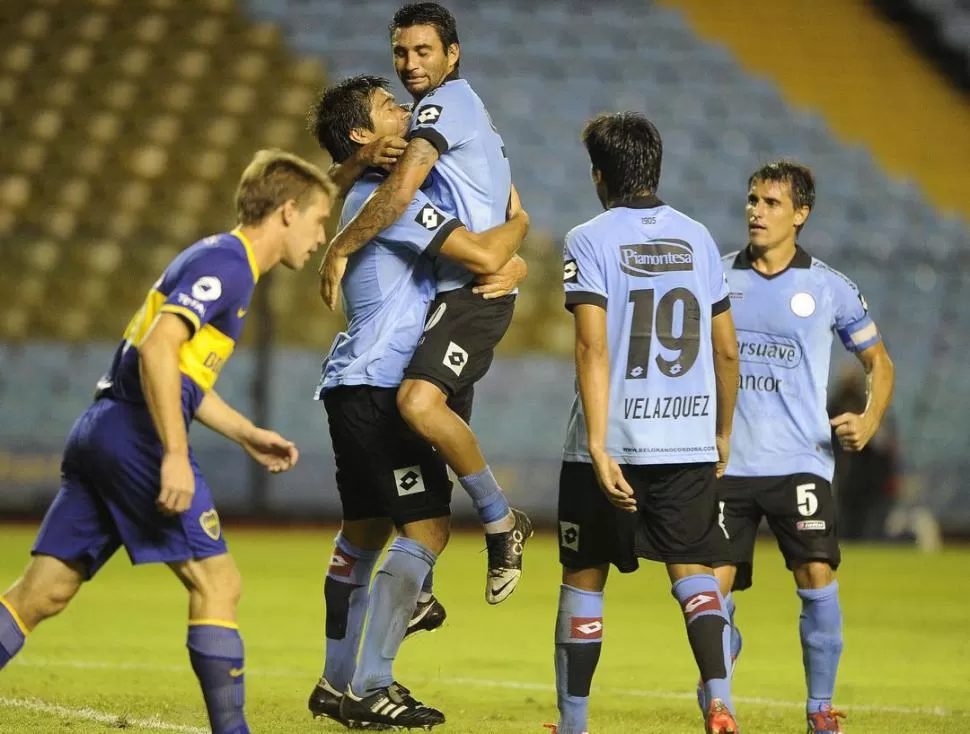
x=107, y=499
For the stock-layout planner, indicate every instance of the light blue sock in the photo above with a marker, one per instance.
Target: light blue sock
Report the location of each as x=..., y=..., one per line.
x=13, y=632
x=346, y=592
x=820, y=627
x=486, y=495
x=216, y=653
x=736, y=641
x=427, y=588
x=392, y=601
x=709, y=633
x=579, y=639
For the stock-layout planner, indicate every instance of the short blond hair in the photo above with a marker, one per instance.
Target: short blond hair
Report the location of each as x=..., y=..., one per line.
x=274, y=177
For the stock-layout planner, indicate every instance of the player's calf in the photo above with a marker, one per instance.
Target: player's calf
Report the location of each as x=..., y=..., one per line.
x=579, y=640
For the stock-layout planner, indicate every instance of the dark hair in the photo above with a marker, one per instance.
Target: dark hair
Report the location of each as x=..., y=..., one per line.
x=340, y=110
x=625, y=147
x=431, y=14
x=799, y=178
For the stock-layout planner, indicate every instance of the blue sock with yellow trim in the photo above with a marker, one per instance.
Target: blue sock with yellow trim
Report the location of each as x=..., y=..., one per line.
x=216, y=652
x=13, y=632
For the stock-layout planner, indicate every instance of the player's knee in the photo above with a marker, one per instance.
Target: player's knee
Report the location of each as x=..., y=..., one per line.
x=433, y=534
x=45, y=590
x=216, y=579
x=418, y=401
x=814, y=575
x=367, y=534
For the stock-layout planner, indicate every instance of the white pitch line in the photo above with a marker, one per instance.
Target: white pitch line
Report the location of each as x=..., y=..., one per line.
x=483, y=683
x=38, y=706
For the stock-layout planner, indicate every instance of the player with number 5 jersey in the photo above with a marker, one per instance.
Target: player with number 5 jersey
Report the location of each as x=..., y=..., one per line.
x=656, y=369
x=787, y=305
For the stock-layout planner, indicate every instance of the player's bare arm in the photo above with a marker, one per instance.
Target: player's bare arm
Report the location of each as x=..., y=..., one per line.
x=383, y=209
x=162, y=385
x=504, y=281
x=725, y=344
x=487, y=252
x=593, y=376
x=381, y=153
x=853, y=429
x=266, y=447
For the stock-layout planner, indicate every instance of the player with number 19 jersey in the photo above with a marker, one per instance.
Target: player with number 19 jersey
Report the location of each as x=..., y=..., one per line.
x=658, y=274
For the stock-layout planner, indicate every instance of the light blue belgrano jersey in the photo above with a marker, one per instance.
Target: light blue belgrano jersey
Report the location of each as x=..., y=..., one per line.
x=471, y=179
x=658, y=273
x=785, y=324
x=386, y=291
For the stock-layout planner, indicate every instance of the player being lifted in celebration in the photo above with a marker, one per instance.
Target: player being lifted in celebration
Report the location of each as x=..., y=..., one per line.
x=129, y=476
x=656, y=368
x=387, y=475
x=454, y=146
x=786, y=305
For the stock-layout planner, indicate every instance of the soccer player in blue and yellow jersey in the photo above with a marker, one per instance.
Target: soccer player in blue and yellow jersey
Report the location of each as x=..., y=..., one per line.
x=387, y=475
x=129, y=476
x=787, y=305
x=656, y=371
x=455, y=153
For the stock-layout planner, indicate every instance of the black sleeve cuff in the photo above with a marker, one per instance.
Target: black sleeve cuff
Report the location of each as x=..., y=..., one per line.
x=441, y=235
x=433, y=137
x=721, y=306
x=579, y=298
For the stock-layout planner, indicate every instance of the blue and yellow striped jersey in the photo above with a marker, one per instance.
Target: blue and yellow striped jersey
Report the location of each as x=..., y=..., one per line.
x=209, y=285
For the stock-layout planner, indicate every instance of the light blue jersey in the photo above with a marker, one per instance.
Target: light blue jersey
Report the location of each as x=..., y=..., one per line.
x=785, y=324
x=471, y=180
x=658, y=274
x=386, y=291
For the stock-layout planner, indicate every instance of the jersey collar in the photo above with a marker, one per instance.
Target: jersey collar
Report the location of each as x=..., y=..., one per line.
x=248, y=247
x=802, y=260
x=638, y=202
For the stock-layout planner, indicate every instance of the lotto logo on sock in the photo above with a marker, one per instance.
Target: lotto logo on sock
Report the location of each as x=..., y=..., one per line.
x=587, y=628
x=341, y=564
x=703, y=602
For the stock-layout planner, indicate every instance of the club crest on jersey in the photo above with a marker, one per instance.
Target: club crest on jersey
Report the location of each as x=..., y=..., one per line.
x=429, y=218
x=428, y=114
x=655, y=257
x=802, y=304
x=570, y=271
x=211, y=526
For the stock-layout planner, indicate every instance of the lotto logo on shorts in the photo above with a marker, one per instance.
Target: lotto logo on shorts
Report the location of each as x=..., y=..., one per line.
x=455, y=358
x=341, y=564
x=408, y=481
x=569, y=535
x=586, y=628
x=703, y=602
x=810, y=525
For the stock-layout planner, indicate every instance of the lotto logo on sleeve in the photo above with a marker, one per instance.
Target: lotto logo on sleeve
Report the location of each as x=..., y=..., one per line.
x=570, y=272
x=429, y=114
x=586, y=628
x=408, y=481
x=700, y=603
x=341, y=564
x=429, y=218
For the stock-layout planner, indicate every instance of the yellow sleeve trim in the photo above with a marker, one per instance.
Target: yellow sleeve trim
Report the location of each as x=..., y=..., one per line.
x=182, y=311
x=16, y=617
x=213, y=623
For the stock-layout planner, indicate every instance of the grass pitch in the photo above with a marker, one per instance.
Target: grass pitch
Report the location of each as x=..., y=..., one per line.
x=116, y=659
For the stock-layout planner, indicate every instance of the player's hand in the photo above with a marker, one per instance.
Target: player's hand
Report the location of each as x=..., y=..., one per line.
x=515, y=205
x=723, y=444
x=331, y=271
x=504, y=281
x=271, y=450
x=853, y=430
x=383, y=152
x=614, y=485
x=177, y=484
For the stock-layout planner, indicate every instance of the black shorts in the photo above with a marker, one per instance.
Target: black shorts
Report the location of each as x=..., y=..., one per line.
x=459, y=339
x=676, y=519
x=384, y=469
x=800, y=511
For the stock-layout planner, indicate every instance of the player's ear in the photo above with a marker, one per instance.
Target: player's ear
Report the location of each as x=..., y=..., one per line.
x=288, y=212
x=597, y=176
x=361, y=136
x=454, y=54
x=801, y=216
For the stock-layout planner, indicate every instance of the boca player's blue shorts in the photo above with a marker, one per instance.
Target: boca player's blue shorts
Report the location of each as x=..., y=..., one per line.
x=107, y=499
